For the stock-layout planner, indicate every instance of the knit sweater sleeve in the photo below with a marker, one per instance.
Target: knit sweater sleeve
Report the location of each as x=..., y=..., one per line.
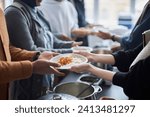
x=123, y=59
x=10, y=71
x=135, y=83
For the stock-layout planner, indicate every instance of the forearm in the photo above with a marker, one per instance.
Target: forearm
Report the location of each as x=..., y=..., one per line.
x=116, y=38
x=10, y=71
x=59, y=44
x=104, y=58
x=101, y=73
x=63, y=50
x=123, y=59
x=81, y=32
x=18, y=54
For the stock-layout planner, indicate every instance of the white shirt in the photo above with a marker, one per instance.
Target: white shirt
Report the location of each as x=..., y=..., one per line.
x=62, y=16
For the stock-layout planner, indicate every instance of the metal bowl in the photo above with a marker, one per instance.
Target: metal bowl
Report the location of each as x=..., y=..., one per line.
x=88, y=78
x=75, y=88
x=58, y=96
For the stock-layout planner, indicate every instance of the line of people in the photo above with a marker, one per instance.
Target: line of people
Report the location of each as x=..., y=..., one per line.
x=32, y=31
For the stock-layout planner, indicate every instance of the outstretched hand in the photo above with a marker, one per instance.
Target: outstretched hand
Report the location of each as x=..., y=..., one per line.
x=88, y=55
x=81, y=32
x=47, y=55
x=65, y=38
x=42, y=66
x=81, y=68
x=103, y=35
x=77, y=43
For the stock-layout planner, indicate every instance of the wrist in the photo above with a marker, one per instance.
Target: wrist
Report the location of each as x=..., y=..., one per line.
x=116, y=38
x=89, y=32
x=90, y=68
x=36, y=56
x=94, y=58
x=113, y=37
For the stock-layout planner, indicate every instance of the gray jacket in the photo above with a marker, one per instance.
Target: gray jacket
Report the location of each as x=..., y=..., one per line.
x=29, y=30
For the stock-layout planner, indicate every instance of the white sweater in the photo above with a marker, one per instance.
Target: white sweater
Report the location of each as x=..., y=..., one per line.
x=62, y=16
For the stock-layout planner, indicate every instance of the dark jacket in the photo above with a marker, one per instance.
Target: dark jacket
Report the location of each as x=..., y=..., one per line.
x=135, y=82
x=80, y=7
x=135, y=38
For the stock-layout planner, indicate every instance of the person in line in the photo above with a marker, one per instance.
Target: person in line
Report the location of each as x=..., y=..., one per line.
x=80, y=8
x=135, y=37
x=64, y=21
x=17, y=64
x=32, y=32
x=133, y=64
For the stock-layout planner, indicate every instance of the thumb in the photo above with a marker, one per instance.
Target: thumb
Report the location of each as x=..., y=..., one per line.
x=56, y=71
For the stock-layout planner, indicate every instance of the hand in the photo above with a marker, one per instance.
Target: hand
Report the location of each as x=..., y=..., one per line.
x=77, y=43
x=89, y=25
x=104, y=35
x=88, y=55
x=115, y=48
x=47, y=55
x=45, y=67
x=65, y=38
x=81, y=32
x=81, y=68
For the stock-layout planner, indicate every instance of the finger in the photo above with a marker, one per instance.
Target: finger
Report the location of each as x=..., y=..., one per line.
x=54, y=64
x=55, y=54
x=84, y=53
x=70, y=39
x=81, y=53
x=80, y=43
x=74, y=38
x=100, y=31
x=56, y=71
x=76, y=52
x=73, y=67
x=70, y=68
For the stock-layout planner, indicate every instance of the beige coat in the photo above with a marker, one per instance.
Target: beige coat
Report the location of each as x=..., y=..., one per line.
x=9, y=70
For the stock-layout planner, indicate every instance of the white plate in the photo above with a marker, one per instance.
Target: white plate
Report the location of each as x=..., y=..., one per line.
x=81, y=48
x=76, y=59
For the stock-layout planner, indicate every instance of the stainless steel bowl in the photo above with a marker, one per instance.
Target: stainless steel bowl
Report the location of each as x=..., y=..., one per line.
x=75, y=88
x=88, y=78
x=58, y=96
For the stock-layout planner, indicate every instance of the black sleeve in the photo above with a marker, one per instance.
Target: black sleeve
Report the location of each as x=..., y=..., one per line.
x=123, y=59
x=136, y=82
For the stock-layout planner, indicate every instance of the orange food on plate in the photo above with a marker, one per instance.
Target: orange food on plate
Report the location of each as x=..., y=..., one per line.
x=65, y=60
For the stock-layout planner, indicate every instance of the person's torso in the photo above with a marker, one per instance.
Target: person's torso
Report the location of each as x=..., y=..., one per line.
x=61, y=16
x=135, y=37
x=41, y=35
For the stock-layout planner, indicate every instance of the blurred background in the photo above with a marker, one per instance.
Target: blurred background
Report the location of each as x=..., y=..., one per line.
x=108, y=12
x=118, y=16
